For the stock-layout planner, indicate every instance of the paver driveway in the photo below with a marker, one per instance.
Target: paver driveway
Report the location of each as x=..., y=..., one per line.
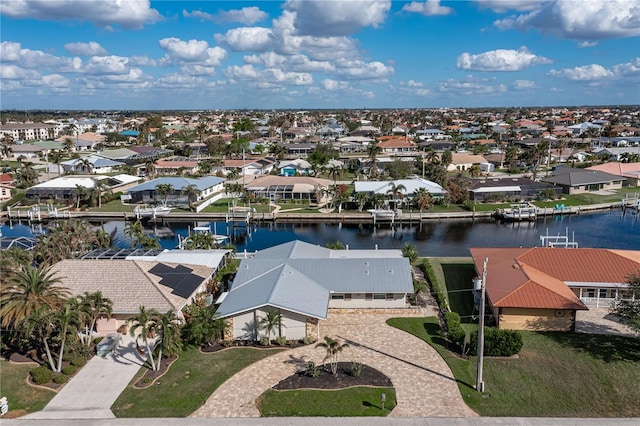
x=424, y=383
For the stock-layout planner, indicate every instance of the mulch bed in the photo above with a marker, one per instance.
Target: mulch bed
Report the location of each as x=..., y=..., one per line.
x=344, y=379
x=217, y=346
x=21, y=358
x=149, y=377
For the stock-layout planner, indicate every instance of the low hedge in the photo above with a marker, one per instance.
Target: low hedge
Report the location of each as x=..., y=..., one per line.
x=436, y=291
x=497, y=342
x=41, y=375
x=455, y=332
x=68, y=370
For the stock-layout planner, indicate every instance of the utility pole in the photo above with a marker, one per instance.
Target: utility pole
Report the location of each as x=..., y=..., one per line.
x=479, y=382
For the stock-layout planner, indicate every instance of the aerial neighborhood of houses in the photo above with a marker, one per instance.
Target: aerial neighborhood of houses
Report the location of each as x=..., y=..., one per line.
x=366, y=166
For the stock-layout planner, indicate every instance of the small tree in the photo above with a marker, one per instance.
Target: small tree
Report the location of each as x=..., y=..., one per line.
x=628, y=309
x=145, y=322
x=410, y=251
x=272, y=320
x=333, y=349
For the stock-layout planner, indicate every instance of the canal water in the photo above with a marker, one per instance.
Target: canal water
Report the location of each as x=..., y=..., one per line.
x=610, y=229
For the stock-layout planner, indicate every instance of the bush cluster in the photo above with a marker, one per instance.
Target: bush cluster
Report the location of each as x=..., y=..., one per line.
x=41, y=375
x=455, y=332
x=78, y=361
x=281, y=340
x=436, y=291
x=60, y=379
x=68, y=370
x=497, y=342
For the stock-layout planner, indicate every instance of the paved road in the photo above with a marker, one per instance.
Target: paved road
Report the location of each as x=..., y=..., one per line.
x=90, y=394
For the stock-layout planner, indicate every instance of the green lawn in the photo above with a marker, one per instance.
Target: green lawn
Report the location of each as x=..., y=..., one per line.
x=187, y=384
x=557, y=374
x=114, y=206
x=584, y=199
x=23, y=399
x=222, y=206
x=455, y=275
x=350, y=402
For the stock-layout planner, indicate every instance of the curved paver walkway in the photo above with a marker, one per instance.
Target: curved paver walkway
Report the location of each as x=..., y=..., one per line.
x=424, y=384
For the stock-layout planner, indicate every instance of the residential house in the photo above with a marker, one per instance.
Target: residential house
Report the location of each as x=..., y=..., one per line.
x=91, y=164
x=464, y=161
x=146, y=193
x=410, y=187
x=249, y=166
x=165, y=281
x=27, y=150
x=578, y=181
x=397, y=147
x=294, y=167
x=300, y=150
x=301, y=188
x=541, y=288
x=65, y=187
x=176, y=166
x=7, y=185
x=305, y=282
x=629, y=171
x=509, y=189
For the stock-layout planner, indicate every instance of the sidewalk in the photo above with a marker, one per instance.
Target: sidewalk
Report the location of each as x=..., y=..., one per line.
x=90, y=393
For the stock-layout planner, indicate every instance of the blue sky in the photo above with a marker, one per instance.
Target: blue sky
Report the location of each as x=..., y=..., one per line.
x=304, y=54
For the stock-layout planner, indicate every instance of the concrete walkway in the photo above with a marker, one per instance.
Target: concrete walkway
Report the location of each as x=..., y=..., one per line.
x=600, y=321
x=90, y=393
x=425, y=386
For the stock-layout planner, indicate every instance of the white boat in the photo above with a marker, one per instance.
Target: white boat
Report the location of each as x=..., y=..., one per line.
x=382, y=213
x=151, y=212
x=219, y=239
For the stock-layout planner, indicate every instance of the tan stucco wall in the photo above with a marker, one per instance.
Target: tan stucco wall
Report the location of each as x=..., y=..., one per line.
x=245, y=325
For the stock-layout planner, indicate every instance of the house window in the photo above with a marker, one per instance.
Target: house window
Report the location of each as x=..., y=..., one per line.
x=603, y=293
x=389, y=297
x=590, y=292
x=347, y=297
x=368, y=296
x=379, y=296
x=337, y=296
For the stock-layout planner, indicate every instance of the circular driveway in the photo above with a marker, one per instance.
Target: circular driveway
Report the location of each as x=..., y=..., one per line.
x=424, y=384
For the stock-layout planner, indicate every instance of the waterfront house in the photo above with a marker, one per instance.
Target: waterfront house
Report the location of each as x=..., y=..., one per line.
x=305, y=282
x=91, y=164
x=410, y=187
x=249, y=166
x=65, y=187
x=163, y=280
x=205, y=186
x=579, y=181
x=397, y=146
x=291, y=188
x=176, y=166
x=541, y=288
x=629, y=171
x=508, y=189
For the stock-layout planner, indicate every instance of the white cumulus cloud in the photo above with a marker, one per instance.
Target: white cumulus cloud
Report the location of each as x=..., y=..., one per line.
x=500, y=60
x=502, y=6
x=129, y=14
x=337, y=18
x=471, y=87
x=596, y=72
x=427, y=8
x=193, y=51
x=246, y=15
x=85, y=49
x=524, y=85
x=36, y=59
x=253, y=39
x=580, y=19
x=102, y=65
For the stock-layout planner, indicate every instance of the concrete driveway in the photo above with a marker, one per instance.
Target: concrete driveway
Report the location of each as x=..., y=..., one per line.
x=424, y=384
x=91, y=392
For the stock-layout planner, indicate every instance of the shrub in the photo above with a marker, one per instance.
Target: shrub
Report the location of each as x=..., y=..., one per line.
x=281, y=340
x=264, y=341
x=59, y=379
x=41, y=375
x=78, y=361
x=437, y=293
x=69, y=370
x=497, y=342
x=312, y=369
x=227, y=343
x=307, y=340
x=455, y=332
x=356, y=369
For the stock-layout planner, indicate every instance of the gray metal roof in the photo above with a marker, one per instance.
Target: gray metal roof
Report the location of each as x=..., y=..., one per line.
x=299, y=277
x=582, y=177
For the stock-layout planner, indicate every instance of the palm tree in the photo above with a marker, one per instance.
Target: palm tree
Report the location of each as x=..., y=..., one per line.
x=372, y=153
x=202, y=326
x=145, y=322
x=272, y=320
x=335, y=171
x=28, y=289
x=56, y=158
x=67, y=320
x=167, y=326
x=26, y=175
x=81, y=192
x=200, y=241
x=150, y=167
x=396, y=192
x=95, y=305
x=86, y=165
x=164, y=190
x=361, y=198
x=446, y=158
x=422, y=198
x=192, y=192
x=102, y=189
x=39, y=327
x=133, y=231
x=333, y=348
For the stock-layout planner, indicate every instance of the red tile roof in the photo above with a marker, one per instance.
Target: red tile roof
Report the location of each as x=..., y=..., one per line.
x=537, y=277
